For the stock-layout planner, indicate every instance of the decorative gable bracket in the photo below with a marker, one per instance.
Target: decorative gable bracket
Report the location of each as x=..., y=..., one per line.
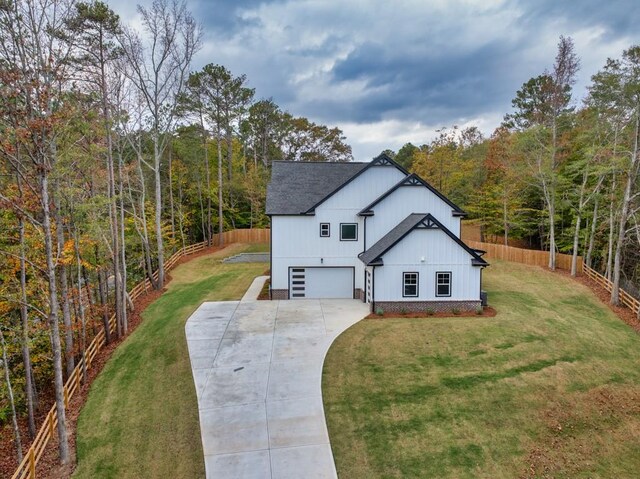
x=412, y=180
x=383, y=160
x=428, y=224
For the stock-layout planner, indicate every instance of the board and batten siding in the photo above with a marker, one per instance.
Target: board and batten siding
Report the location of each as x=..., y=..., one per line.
x=441, y=254
x=403, y=202
x=296, y=240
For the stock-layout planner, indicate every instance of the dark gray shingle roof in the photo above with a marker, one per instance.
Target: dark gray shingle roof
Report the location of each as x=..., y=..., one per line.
x=403, y=228
x=297, y=186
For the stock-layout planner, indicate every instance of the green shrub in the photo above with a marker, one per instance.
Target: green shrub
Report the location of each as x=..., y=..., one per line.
x=455, y=311
x=379, y=311
x=430, y=311
x=403, y=311
x=479, y=310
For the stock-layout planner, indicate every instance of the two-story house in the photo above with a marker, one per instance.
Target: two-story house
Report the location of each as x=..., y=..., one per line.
x=370, y=231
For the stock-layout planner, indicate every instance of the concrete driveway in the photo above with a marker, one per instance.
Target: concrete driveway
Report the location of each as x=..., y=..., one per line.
x=257, y=367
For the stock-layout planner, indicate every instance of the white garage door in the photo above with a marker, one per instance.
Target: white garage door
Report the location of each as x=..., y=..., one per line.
x=320, y=283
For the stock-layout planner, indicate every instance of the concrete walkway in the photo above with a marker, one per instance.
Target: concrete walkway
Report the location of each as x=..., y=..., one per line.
x=254, y=290
x=257, y=367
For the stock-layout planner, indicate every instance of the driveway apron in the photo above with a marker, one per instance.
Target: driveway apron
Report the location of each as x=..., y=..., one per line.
x=257, y=368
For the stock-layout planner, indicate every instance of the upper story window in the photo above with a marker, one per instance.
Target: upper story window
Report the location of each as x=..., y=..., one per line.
x=348, y=232
x=410, y=285
x=325, y=230
x=443, y=284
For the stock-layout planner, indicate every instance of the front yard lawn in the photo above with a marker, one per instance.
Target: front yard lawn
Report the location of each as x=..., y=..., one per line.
x=141, y=417
x=550, y=387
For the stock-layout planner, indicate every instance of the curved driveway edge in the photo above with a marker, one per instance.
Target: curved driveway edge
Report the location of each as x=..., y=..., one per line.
x=257, y=368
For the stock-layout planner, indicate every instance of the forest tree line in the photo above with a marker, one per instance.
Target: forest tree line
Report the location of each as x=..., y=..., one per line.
x=114, y=153
x=559, y=173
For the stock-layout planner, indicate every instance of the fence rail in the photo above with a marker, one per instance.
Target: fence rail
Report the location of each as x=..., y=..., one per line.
x=27, y=468
x=625, y=298
x=525, y=256
x=563, y=261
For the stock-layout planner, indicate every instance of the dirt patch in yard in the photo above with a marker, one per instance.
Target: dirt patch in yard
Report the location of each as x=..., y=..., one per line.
x=264, y=292
x=571, y=449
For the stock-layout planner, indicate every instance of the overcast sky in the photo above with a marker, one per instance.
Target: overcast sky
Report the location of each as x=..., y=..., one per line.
x=389, y=72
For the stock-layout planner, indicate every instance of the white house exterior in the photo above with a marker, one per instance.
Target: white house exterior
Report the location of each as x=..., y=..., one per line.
x=370, y=231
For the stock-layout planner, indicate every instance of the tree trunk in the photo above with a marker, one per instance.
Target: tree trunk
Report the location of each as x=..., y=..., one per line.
x=12, y=404
x=64, y=290
x=609, y=269
x=158, y=190
x=123, y=249
x=592, y=235
x=207, y=171
x=56, y=346
x=203, y=222
x=229, y=152
x=24, y=319
x=180, y=214
x=552, y=236
x=102, y=297
x=171, y=209
x=576, y=232
x=146, y=244
x=220, y=219
x=576, y=241
x=81, y=313
x=113, y=213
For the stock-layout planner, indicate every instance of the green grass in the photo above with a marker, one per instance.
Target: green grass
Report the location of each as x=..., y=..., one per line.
x=141, y=416
x=550, y=387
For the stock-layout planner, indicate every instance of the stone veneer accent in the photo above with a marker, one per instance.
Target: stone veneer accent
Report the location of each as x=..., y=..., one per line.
x=423, y=306
x=358, y=294
x=279, y=294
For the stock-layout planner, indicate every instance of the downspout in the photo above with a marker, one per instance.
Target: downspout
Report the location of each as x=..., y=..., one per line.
x=270, y=257
x=364, y=247
x=373, y=289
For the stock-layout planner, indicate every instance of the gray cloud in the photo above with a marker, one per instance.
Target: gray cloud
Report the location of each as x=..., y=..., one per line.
x=429, y=64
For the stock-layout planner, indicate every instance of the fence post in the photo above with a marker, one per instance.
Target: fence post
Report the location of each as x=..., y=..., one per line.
x=32, y=463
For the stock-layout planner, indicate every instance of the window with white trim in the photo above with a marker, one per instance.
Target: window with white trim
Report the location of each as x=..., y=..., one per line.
x=325, y=230
x=410, y=285
x=443, y=283
x=348, y=232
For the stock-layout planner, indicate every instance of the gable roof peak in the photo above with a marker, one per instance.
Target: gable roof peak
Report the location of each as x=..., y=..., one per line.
x=373, y=255
x=412, y=179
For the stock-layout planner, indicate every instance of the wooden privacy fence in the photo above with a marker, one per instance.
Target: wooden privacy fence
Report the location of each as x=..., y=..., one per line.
x=525, y=256
x=625, y=298
x=27, y=468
